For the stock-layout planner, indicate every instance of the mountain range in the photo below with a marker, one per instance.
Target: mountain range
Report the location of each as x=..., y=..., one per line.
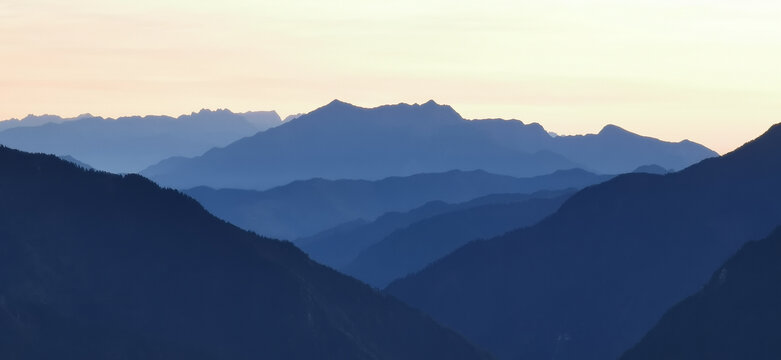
x=455, y=238
x=590, y=280
x=304, y=208
x=38, y=120
x=101, y=266
x=337, y=247
x=410, y=249
x=342, y=141
x=130, y=144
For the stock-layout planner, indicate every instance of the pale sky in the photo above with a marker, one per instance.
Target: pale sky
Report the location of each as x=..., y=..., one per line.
x=706, y=70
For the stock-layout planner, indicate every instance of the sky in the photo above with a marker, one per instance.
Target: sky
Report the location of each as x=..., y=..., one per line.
x=704, y=70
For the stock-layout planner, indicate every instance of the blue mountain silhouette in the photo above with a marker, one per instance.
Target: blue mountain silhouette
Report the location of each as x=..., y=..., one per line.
x=342, y=141
x=130, y=144
x=410, y=249
x=735, y=316
x=101, y=266
x=303, y=208
x=590, y=280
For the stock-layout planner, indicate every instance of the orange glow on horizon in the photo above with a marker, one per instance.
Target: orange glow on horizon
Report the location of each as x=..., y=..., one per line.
x=696, y=69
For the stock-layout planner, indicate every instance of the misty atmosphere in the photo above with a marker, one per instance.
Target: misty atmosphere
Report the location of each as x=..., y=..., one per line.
x=566, y=180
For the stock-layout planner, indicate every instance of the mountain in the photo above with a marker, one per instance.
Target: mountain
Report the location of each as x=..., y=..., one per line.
x=340, y=245
x=292, y=116
x=342, y=141
x=735, y=316
x=651, y=169
x=304, y=208
x=410, y=249
x=129, y=144
x=590, y=280
x=76, y=162
x=263, y=120
x=33, y=120
x=101, y=266
x=614, y=150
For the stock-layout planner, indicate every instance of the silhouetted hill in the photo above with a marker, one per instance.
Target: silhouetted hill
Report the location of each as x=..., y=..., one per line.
x=101, y=266
x=33, y=120
x=651, y=169
x=342, y=141
x=130, y=144
x=735, y=316
x=614, y=150
x=304, y=208
x=263, y=120
x=338, y=246
x=410, y=249
x=292, y=116
x=590, y=280
x=75, y=161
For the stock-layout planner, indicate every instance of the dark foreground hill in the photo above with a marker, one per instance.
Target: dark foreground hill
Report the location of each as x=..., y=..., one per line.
x=589, y=281
x=342, y=141
x=736, y=315
x=304, y=208
x=102, y=266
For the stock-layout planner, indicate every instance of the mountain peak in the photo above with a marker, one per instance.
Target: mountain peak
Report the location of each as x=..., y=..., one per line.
x=427, y=110
x=336, y=106
x=767, y=145
x=337, y=102
x=210, y=111
x=611, y=129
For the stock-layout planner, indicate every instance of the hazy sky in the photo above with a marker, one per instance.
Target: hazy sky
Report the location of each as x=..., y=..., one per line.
x=707, y=70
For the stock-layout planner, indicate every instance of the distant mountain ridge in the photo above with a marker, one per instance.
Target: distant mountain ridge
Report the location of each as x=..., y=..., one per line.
x=38, y=120
x=342, y=141
x=130, y=144
x=652, y=169
x=337, y=247
x=410, y=249
x=76, y=162
x=304, y=208
x=101, y=266
x=590, y=280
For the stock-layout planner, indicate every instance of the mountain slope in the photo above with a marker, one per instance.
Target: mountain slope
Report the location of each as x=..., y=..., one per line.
x=593, y=278
x=33, y=120
x=95, y=265
x=410, y=249
x=338, y=246
x=129, y=144
x=76, y=162
x=614, y=150
x=304, y=208
x=735, y=316
x=341, y=141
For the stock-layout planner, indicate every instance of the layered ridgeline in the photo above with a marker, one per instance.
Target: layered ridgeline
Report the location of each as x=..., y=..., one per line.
x=304, y=208
x=735, y=316
x=411, y=248
x=101, y=266
x=38, y=120
x=339, y=246
x=342, y=141
x=130, y=144
x=590, y=280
